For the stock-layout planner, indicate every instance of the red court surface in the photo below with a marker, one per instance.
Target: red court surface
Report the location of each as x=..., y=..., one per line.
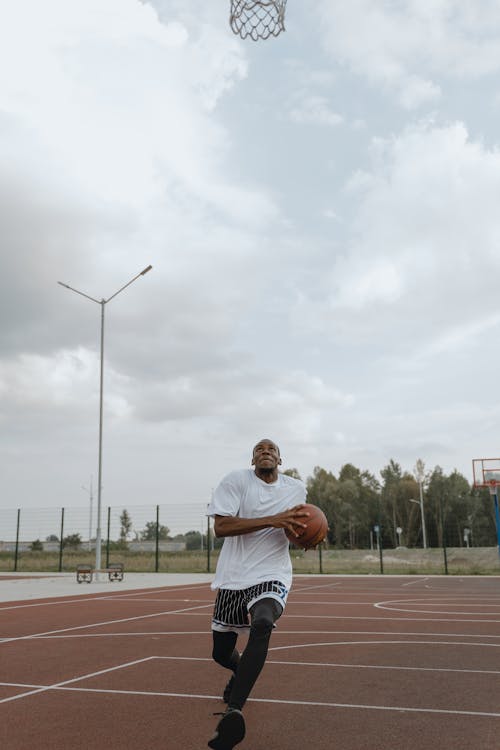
x=358, y=663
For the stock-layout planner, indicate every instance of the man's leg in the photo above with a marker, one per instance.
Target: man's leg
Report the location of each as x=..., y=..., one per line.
x=264, y=614
x=224, y=651
x=225, y=654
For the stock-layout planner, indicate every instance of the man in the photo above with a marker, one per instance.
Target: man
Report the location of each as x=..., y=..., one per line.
x=251, y=509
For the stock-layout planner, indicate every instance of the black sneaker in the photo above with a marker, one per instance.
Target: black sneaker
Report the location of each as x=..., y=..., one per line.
x=230, y=730
x=227, y=690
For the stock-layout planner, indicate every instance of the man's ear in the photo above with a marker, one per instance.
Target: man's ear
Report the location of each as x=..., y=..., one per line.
x=253, y=461
x=279, y=462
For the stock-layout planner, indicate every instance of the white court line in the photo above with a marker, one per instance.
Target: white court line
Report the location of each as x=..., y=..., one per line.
x=74, y=679
x=99, y=624
x=318, y=586
x=277, y=632
x=104, y=597
x=346, y=666
x=387, y=606
x=412, y=583
x=275, y=701
x=374, y=618
x=392, y=643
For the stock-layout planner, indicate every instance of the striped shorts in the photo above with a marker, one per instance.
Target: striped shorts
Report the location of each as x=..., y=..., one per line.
x=232, y=606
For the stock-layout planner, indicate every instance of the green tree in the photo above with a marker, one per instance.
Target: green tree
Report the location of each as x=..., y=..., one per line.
x=72, y=541
x=194, y=540
x=292, y=473
x=148, y=534
x=125, y=526
x=36, y=546
x=322, y=491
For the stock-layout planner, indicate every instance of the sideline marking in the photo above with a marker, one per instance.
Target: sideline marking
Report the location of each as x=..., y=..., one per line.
x=322, y=704
x=104, y=597
x=387, y=606
x=99, y=624
x=392, y=643
x=74, y=679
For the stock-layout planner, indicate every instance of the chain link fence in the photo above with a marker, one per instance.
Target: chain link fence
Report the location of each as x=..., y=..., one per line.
x=179, y=538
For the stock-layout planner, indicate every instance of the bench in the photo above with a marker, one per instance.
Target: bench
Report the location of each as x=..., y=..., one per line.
x=85, y=573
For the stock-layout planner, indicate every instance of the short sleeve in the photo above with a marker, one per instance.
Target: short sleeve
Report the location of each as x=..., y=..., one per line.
x=227, y=496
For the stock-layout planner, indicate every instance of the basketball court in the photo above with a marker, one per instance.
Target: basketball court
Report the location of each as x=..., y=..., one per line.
x=355, y=662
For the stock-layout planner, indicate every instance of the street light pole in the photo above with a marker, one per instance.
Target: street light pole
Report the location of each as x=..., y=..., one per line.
x=421, y=504
x=102, y=303
x=91, y=498
x=424, y=535
x=419, y=476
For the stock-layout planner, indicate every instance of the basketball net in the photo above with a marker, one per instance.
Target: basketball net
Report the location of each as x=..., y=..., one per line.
x=258, y=20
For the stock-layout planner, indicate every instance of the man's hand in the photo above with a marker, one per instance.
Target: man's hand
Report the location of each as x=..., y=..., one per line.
x=291, y=519
x=235, y=526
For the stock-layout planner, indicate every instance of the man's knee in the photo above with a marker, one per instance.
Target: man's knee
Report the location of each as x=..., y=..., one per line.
x=264, y=614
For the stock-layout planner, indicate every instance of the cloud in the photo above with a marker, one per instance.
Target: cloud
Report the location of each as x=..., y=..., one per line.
x=410, y=47
x=314, y=110
x=422, y=250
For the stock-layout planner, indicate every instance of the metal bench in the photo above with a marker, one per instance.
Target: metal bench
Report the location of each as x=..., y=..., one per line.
x=85, y=573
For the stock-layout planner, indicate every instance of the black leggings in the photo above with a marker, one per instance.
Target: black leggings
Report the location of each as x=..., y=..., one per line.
x=247, y=668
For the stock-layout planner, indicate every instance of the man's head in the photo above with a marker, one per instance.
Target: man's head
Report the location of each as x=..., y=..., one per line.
x=266, y=457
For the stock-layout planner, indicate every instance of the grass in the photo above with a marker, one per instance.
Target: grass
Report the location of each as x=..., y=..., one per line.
x=461, y=561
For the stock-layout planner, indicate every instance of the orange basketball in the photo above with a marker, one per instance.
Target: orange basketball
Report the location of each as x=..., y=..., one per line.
x=316, y=531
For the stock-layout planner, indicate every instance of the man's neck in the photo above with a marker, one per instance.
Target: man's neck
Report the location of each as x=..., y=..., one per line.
x=267, y=475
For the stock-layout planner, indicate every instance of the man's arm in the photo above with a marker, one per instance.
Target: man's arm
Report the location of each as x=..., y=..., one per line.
x=235, y=526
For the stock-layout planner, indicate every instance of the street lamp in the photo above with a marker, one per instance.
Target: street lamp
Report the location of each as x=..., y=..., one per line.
x=102, y=303
x=91, y=498
x=419, y=475
x=421, y=503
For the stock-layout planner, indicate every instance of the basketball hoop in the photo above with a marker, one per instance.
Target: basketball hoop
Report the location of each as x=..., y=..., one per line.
x=492, y=485
x=258, y=20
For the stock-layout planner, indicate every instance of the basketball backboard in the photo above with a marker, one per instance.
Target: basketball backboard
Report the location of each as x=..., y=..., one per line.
x=486, y=472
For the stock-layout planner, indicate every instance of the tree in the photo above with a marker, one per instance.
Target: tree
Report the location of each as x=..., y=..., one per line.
x=36, y=546
x=52, y=538
x=125, y=526
x=148, y=534
x=72, y=540
x=322, y=491
x=194, y=540
x=292, y=473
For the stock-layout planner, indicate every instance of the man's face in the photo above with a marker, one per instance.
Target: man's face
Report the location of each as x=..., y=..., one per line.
x=266, y=455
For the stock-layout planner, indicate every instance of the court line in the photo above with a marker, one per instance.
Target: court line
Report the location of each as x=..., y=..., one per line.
x=99, y=624
x=346, y=666
x=275, y=701
x=276, y=633
x=74, y=679
x=374, y=618
x=97, y=598
x=320, y=665
x=392, y=643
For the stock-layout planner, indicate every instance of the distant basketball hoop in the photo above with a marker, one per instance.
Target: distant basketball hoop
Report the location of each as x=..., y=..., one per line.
x=486, y=473
x=257, y=20
x=492, y=485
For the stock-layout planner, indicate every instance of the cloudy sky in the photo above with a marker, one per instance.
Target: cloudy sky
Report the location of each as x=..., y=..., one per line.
x=322, y=213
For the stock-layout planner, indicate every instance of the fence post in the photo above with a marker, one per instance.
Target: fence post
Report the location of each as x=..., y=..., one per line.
x=16, y=551
x=107, y=536
x=208, y=544
x=320, y=550
x=443, y=534
x=61, y=542
x=157, y=546
x=378, y=532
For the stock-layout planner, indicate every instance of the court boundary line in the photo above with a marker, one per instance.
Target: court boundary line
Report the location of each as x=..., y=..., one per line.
x=275, y=701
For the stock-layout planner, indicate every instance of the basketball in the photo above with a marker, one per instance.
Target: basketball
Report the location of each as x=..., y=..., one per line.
x=317, y=528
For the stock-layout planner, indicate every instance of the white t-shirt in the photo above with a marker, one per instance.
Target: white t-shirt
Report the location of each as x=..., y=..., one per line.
x=248, y=559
